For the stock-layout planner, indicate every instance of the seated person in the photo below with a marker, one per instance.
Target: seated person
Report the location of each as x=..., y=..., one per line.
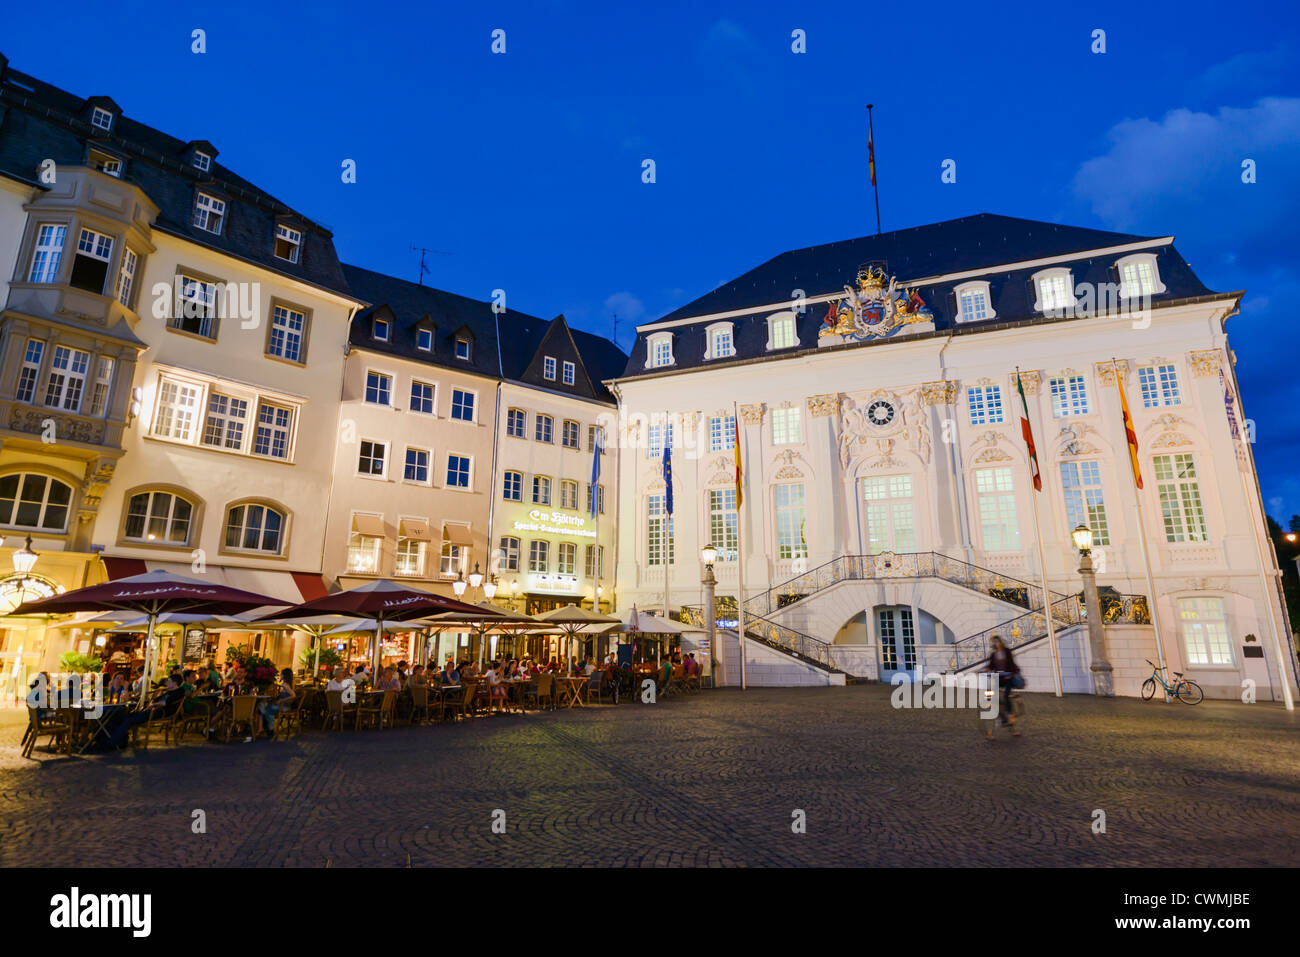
x=116, y=688
x=416, y=679
x=164, y=705
x=284, y=696
x=450, y=676
x=388, y=680
x=340, y=680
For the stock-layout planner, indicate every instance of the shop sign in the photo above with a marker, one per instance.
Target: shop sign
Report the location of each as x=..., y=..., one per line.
x=555, y=523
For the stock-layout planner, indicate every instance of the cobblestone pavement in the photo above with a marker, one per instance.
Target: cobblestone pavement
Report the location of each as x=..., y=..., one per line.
x=711, y=779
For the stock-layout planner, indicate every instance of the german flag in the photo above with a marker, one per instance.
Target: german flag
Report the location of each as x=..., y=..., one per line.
x=740, y=493
x=1129, y=433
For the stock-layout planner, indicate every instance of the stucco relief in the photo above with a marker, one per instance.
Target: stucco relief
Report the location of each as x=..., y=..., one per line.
x=1106, y=371
x=1073, y=439
x=752, y=414
x=1205, y=362
x=859, y=435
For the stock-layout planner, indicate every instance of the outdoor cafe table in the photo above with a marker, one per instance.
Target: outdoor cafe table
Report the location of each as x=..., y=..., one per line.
x=572, y=689
x=518, y=689
x=95, y=728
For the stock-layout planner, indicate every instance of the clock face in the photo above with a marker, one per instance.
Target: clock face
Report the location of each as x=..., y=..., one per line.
x=880, y=412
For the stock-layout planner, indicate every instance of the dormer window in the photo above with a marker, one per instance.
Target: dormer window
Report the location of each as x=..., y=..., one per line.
x=1055, y=290
x=288, y=243
x=781, y=331
x=424, y=340
x=380, y=330
x=462, y=348
x=569, y=371
x=105, y=163
x=101, y=119
x=202, y=161
x=974, y=302
x=659, y=350
x=721, y=341
x=548, y=368
x=209, y=213
x=1139, y=276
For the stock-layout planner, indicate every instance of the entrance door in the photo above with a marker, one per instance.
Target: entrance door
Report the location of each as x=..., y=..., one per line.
x=887, y=511
x=897, y=635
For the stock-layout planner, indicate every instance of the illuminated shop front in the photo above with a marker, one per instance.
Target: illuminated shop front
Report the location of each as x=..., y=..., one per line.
x=550, y=557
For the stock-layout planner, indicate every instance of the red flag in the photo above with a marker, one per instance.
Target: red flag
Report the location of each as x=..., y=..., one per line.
x=1129, y=433
x=740, y=492
x=1028, y=433
x=871, y=156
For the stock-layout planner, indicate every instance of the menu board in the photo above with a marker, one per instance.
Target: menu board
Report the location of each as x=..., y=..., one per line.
x=196, y=640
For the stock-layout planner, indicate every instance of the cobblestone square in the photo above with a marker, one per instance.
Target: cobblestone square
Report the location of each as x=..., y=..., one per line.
x=711, y=780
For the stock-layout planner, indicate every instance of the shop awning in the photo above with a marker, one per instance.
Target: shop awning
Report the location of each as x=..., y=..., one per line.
x=371, y=526
x=310, y=585
x=456, y=533
x=123, y=567
x=416, y=531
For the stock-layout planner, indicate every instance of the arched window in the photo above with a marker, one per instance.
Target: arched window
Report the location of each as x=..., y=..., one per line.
x=254, y=527
x=29, y=500
x=158, y=516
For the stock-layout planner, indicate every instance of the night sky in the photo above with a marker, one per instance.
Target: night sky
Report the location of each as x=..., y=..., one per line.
x=523, y=170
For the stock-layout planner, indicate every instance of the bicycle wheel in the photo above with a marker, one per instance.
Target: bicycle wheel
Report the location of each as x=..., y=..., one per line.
x=1189, y=692
x=1148, y=689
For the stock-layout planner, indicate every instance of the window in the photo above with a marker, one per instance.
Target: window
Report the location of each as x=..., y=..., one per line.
x=102, y=119
x=996, y=492
x=126, y=277
x=569, y=436
x=1139, y=276
x=197, y=308
x=1205, y=631
x=379, y=388
x=48, y=255
x=226, y=421
x=600, y=499
x=568, y=494
x=410, y=548
x=202, y=161
x=288, y=243
x=595, y=438
x=548, y=368
x=516, y=423
x=178, y=409
x=544, y=428
x=106, y=163
x=1055, y=290
x=722, y=433
x=422, y=396
x=568, y=373
x=509, y=554
x=790, y=541
x=659, y=436
x=462, y=348
x=454, y=557
x=30, y=371
x=90, y=264
x=28, y=500
x=659, y=531
x=787, y=425
x=103, y=382
x=1069, y=396
x=158, y=517
x=379, y=330
x=254, y=528
x=365, y=543
x=594, y=564
x=539, y=556
x=721, y=341
x=891, y=524
x=541, y=490
x=209, y=213
x=512, y=486
x=973, y=302
x=985, y=404
x=660, y=348
x=424, y=340
x=462, y=405
x=1180, y=498
x=781, y=333
x=274, y=430
x=287, y=327
x=723, y=532
x=67, y=379
x=1084, y=504
x=568, y=559
x=457, y=471
x=370, y=461
x=417, y=466
x=1159, y=386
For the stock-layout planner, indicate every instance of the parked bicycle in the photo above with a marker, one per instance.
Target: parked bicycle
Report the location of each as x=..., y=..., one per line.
x=1184, y=689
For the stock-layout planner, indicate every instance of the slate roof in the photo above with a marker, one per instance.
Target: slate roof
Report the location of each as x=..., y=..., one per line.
x=981, y=242
x=40, y=121
x=524, y=339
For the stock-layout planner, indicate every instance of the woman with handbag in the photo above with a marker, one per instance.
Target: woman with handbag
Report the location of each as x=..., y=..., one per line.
x=1003, y=663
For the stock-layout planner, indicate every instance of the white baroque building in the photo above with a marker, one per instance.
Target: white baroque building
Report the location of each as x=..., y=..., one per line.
x=888, y=522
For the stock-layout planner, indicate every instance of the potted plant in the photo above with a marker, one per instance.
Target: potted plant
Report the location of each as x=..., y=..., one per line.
x=259, y=671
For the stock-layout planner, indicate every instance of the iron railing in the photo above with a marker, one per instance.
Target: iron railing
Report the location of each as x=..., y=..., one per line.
x=796, y=643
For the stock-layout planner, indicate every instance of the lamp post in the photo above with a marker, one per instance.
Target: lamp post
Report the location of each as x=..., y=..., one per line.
x=24, y=560
x=709, y=555
x=1102, y=679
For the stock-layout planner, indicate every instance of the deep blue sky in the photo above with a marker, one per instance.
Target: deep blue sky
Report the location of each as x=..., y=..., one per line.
x=525, y=168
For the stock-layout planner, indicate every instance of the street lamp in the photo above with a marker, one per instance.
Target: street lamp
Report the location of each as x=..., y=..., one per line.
x=24, y=560
x=490, y=588
x=475, y=577
x=709, y=555
x=1102, y=680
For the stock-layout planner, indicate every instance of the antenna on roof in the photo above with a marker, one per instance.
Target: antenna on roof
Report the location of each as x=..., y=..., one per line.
x=423, y=251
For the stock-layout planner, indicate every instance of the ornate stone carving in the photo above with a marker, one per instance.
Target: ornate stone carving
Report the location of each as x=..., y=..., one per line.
x=1072, y=439
x=858, y=433
x=66, y=427
x=1030, y=381
x=784, y=462
x=1106, y=371
x=992, y=455
x=942, y=392
x=823, y=405
x=1205, y=363
x=1171, y=440
x=752, y=414
x=98, y=474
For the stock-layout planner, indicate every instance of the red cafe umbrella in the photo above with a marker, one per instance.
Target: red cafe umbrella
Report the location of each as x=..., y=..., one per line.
x=151, y=594
x=382, y=600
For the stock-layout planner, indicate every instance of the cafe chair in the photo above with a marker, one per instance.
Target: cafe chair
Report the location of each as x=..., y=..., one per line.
x=288, y=719
x=38, y=727
x=199, y=720
x=377, y=711
x=419, y=705
x=243, y=711
x=464, y=705
x=336, y=711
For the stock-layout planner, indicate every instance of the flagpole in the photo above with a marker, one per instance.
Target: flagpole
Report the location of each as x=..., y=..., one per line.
x=740, y=555
x=1035, y=475
x=670, y=546
x=871, y=159
x=1142, y=524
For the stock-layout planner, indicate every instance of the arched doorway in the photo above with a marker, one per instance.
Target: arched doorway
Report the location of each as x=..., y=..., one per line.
x=903, y=631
